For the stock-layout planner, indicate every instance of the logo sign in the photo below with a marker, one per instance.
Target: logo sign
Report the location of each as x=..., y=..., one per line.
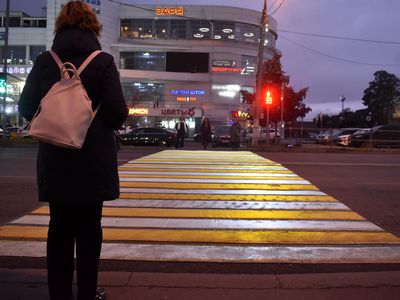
x=226, y=70
x=186, y=99
x=17, y=70
x=224, y=63
x=178, y=112
x=138, y=111
x=240, y=114
x=169, y=11
x=188, y=92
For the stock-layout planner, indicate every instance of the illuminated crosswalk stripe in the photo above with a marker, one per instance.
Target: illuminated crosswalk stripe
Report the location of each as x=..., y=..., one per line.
x=180, y=205
x=321, y=197
x=219, y=236
x=222, y=174
x=193, y=180
x=218, y=224
x=227, y=204
x=223, y=192
x=223, y=214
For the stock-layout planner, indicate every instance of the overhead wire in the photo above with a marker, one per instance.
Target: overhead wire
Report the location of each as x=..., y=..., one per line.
x=336, y=57
x=340, y=37
x=280, y=5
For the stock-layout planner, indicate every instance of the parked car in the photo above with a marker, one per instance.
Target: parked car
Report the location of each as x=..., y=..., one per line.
x=148, y=136
x=325, y=137
x=341, y=136
x=378, y=136
x=263, y=134
x=221, y=136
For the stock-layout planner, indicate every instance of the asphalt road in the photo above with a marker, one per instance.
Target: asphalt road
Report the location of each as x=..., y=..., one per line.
x=366, y=182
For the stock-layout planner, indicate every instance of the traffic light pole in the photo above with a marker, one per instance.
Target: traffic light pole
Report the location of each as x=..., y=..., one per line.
x=5, y=50
x=258, y=102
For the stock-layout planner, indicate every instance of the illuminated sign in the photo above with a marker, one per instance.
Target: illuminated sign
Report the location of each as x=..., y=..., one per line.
x=240, y=114
x=186, y=99
x=188, y=92
x=17, y=70
x=178, y=112
x=168, y=11
x=138, y=111
x=226, y=70
x=224, y=63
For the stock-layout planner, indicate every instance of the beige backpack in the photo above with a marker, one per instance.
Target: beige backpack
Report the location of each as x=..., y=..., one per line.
x=65, y=113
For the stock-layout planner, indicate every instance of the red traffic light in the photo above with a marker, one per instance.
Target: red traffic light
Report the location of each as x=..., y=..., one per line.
x=268, y=97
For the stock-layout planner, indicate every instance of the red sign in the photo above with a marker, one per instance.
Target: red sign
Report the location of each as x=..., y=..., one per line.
x=226, y=70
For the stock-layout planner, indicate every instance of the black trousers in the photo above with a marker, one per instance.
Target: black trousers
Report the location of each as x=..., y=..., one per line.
x=70, y=224
x=180, y=139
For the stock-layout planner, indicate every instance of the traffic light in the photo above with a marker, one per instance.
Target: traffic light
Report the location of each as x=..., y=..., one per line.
x=268, y=97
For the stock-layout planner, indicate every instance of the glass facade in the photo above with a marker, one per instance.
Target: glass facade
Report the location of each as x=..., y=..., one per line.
x=34, y=52
x=150, y=61
x=192, y=29
x=16, y=55
x=143, y=94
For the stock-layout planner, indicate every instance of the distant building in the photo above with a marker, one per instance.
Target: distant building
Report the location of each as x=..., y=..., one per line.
x=173, y=60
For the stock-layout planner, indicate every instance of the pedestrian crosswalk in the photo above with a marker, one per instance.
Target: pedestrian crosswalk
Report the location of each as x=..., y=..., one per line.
x=219, y=206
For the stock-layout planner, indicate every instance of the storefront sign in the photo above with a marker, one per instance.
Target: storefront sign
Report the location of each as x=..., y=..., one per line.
x=169, y=11
x=240, y=114
x=188, y=92
x=186, y=99
x=224, y=63
x=17, y=70
x=226, y=70
x=178, y=112
x=139, y=111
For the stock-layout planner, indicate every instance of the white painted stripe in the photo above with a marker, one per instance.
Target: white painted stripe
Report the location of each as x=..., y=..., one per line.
x=219, y=224
x=204, y=180
x=209, y=162
x=211, y=174
x=204, y=253
x=220, y=192
x=297, y=205
x=204, y=168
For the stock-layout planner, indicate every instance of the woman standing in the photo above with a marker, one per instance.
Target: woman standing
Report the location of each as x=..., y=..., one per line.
x=235, y=135
x=76, y=182
x=205, y=129
x=182, y=130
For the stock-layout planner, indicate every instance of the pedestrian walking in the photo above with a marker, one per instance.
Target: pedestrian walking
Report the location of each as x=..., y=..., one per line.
x=205, y=129
x=182, y=130
x=76, y=182
x=235, y=135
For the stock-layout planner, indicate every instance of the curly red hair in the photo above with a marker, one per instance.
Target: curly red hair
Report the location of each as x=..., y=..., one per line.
x=77, y=13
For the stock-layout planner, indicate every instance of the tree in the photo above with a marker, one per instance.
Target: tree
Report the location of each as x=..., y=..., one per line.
x=273, y=77
x=382, y=97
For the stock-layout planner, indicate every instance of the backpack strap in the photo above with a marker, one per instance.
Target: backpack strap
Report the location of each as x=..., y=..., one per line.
x=56, y=58
x=87, y=61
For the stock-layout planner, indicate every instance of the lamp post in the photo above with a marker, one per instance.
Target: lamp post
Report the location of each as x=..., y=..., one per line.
x=342, y=98
x=257, y=104
x=5, y=50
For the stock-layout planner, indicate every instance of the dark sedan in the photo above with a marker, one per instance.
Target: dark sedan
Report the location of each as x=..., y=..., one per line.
x=378, y=136
x=148, y=136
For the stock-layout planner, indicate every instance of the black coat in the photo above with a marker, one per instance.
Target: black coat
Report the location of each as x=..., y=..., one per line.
x=89, y=174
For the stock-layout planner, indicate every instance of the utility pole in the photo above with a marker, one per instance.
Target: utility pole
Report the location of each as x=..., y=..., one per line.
x=282, y=131
x=257, y=104
x=5, y=50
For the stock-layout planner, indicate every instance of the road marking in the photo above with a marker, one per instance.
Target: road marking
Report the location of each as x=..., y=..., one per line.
x=310, y=225
x=219, y=206
x=222, y=213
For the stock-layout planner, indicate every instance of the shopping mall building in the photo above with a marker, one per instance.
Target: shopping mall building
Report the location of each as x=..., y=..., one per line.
x=173, y=60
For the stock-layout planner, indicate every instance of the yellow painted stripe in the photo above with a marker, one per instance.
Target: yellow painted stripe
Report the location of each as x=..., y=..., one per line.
x=202, y=170
x=223, y=214
x=218, y=186
x=208, y=177
x=219, y=236
x=203, y=197
x=223, y=167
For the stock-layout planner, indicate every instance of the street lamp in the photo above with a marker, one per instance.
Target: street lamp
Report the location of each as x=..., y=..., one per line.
x=257, y=105
x=342, y=98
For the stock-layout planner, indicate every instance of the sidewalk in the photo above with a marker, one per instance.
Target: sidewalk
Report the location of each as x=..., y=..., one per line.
x=31, y=284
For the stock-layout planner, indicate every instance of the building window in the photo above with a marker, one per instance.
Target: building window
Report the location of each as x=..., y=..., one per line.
x=14, y=22
x=200, y=30
x=161, y=29
x=16, y=55
x=34, y=52
x=248, y=65
x=143, y=94
x=187, y=62
x=150, y=61
x=178, y=29
x=224, y=30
